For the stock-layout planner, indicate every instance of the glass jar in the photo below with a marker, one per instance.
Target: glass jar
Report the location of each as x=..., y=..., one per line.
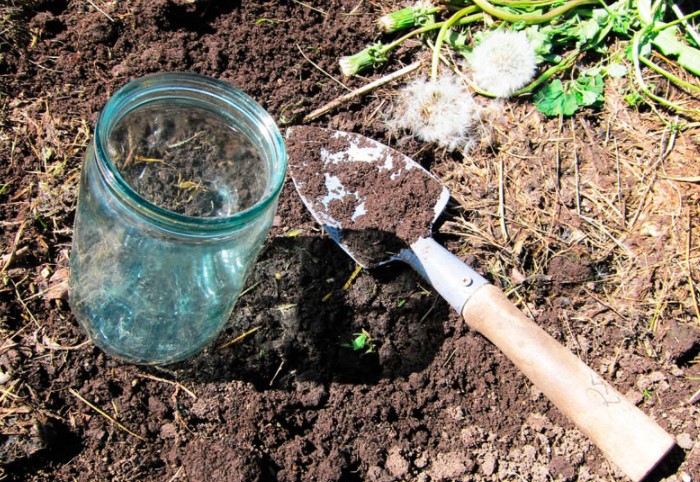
x=177, y=195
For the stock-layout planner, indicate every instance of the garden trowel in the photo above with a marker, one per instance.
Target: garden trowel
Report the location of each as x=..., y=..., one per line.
x=379, y=206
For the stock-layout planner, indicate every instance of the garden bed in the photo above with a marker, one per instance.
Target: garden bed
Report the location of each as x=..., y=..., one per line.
x=590, y=223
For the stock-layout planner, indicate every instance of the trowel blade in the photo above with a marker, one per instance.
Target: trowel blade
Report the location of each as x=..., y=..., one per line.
x=370, y=199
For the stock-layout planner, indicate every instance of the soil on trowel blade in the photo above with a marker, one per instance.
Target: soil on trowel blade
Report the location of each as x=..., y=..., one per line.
x=369, y=197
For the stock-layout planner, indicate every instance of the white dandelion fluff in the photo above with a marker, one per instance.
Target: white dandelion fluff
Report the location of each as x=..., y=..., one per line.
x=440, y=111
x=503, y=62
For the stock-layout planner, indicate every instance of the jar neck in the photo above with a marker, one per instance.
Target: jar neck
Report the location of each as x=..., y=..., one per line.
x=234, y=107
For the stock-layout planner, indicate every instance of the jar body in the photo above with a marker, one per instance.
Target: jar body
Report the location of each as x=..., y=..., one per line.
x=157, y=288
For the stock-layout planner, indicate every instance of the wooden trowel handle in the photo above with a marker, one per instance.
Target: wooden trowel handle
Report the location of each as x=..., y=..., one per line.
x=627, y=436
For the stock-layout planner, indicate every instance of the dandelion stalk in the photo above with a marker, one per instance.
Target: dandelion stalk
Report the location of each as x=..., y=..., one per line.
x=530, y=18
x=684, y=19
x=566, y=63
x=676, y=80
x=520, y=3
x=639, y=77
x=358, y=62
x=641, y=83
x=673, y=23
x=441, y=37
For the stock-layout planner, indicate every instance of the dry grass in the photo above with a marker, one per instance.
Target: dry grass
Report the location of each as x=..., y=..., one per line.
x=605, y=193
x=38, y=208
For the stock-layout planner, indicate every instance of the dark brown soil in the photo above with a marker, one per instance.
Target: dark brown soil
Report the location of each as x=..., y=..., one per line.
x=433, y=401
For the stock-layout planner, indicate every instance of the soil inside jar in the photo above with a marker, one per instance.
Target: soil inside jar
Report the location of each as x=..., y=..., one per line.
x=188, y=161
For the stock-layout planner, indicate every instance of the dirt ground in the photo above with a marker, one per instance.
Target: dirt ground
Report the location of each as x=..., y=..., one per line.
x=590, y=224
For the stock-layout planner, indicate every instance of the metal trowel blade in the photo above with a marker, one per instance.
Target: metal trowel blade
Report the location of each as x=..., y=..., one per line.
x=372, y=200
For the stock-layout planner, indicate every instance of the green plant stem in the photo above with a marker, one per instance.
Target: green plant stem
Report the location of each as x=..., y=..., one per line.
x=521, y=3
x=530, y=18
x=457, y=5
x=676, y=80
x=638, y=76
x=641, y=83
x=441, y=37
x=688, y=27
x=675, y=22
x=429, y=28
x=566, y=63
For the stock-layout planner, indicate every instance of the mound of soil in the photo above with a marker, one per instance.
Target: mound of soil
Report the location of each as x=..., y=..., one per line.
x=287, y=401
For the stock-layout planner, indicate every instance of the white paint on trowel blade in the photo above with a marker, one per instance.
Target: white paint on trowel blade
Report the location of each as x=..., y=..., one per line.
x=335, y=188
x=360, y=210
x=408, y=164
x=337, y=192
x=355, y=153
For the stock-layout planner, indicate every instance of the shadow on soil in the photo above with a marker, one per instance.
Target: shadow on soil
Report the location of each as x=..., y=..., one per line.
x=58, y=443
x=304, y=319
x=668, y=466
x=195, y=16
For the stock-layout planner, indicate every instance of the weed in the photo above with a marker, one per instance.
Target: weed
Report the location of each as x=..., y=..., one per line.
x=577, y=27
x=361, y=342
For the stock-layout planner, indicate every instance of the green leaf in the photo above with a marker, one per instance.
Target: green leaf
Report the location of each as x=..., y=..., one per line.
x=669, y=44
x=691, y=40
x=557, y=98
x=616, y=71
x=589, y=90
x=539, y=40
x=633, y=99
x=644, y=11
x=359, y=342
x=667, y=41
x=553, y=101
x=593, y=71
x=457, y=40
x=689, y=58
x=588, y=30
x=586, y=97
x=570, y=105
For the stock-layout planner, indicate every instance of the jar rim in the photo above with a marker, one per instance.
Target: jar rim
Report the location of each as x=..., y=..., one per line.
x=139, y=91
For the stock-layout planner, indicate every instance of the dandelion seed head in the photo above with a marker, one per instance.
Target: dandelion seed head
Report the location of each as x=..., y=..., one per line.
x=503, y=62
x=440, y=112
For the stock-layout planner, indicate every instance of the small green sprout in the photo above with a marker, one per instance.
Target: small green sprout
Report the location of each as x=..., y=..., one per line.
x=361, y=341
x=273, y=21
